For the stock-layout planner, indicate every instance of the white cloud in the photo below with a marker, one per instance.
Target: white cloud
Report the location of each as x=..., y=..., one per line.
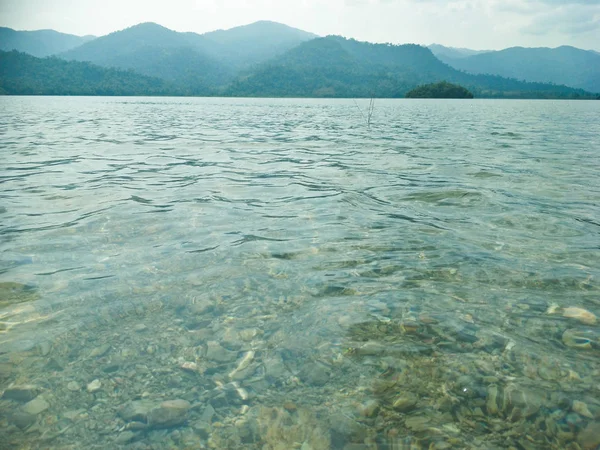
x=568, y=20
x=479, y=24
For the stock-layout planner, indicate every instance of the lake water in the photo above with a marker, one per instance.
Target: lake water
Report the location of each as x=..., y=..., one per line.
x=274, y=274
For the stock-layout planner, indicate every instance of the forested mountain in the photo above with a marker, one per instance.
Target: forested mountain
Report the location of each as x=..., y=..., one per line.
x=199, y=61
x=339, y=67
x=563, y=65
x=261, y=59
x=154, y=50
x=39, y=43
x=23, y=74
x=448, y=54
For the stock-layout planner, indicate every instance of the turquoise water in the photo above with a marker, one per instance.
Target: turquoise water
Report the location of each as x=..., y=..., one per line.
x=283, y=276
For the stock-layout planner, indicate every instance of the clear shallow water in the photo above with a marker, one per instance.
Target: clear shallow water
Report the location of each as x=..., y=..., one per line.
x=301, y=280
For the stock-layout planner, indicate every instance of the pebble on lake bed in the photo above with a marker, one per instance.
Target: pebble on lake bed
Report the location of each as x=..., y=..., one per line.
x=94, y=386
x=582, y=409
x=73, y=386
x=169, y=413
x=583, y=315
x=21, y=393
x=35, y=406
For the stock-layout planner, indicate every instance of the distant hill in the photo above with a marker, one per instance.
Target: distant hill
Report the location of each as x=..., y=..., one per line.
x=23, y=74
x=153, y=50
x=199, y=61
x=563, y=65
x=39, y=43
x=448, y=54
x=339, y=67
x=256, y=43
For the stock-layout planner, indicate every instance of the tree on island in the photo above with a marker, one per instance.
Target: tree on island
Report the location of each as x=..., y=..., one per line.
x=442, y=89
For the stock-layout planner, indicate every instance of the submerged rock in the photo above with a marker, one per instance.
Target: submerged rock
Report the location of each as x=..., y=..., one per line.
x=405, y=402
x=35, y=406
x=589, y=438
x=582, y=409
x=136, y=411
x=169, y=413
x=125, y=437
x=216, y=352
x=73, y=386
x=315, y=374
x=94, y=386
x=580, y=314
x=369, y=409
x=577, y=339
x=22, y=393
x=22, y=419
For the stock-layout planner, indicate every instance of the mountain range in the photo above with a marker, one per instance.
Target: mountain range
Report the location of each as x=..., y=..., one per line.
x=39, y=43
x=272, y=59
x=563, y=65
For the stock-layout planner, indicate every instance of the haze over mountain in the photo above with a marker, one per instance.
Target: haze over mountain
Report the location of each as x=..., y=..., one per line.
x=257, y=42
x=446, y=54
x=235, y=48
x=39, y=43
x=563, y=65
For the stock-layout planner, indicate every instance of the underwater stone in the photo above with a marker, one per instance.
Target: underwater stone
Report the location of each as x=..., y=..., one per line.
x=22, y=419
x=589, y=438
x=405, y=402
x=576, y=339
x=369, y=409
x=94, y=386
x=491, y=402
x=249, y=333
x=73, y=386
x=580, y=314
x=371, y=349
x=22, y=393
x=136, y=410
x=100, y=351
x=314, y=374
x=44, y=348
x=347, y=427
x=35, y=406
x=169, y=413
x=417, y=423
x=125, y=437
x=582, y=409
x=217, y=353
x=274, y=367
x=208, y=414
x=243, y=364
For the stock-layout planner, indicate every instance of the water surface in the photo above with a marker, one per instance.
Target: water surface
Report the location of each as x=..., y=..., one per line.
x=301, y=280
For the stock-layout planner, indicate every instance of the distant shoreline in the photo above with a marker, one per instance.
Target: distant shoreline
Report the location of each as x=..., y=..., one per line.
x=296, y=98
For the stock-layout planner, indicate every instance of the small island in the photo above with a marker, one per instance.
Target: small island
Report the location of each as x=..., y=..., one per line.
x=442, y=89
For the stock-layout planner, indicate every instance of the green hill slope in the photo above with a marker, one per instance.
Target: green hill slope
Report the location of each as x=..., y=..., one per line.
x=23, y=74
x=338, y=67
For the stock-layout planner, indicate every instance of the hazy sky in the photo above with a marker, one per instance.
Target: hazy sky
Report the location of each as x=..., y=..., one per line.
x=478, y=24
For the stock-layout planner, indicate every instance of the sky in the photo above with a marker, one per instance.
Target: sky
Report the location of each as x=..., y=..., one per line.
x=476, y=24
